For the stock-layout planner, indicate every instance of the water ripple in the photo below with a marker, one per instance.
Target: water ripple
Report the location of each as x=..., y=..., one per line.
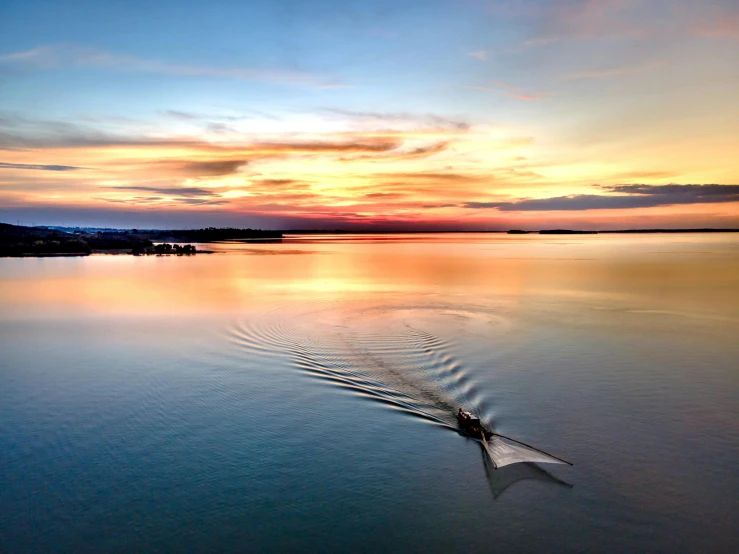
x=383, y=353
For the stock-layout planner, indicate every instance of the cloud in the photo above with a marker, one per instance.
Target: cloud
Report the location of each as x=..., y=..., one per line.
x=210, y=168
x=274, y=183
x=630, y=196
x=168, y=191
x=66, y=55
x=377, y=145
x=196, y=116
x=385, y=195
x=729, y=192
x=420, y=152
x=219, y=128
x=422, y=176
x=39, y=167
x=480, y=55
x=18, y=133
x=429, y=120
x=187, y=116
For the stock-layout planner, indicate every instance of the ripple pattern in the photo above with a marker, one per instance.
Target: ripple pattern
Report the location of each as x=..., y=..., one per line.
x=383, y=353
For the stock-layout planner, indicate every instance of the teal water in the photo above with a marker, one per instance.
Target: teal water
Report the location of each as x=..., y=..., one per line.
x=300, y=396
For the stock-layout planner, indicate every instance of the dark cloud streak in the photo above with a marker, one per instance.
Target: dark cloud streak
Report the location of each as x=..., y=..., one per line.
x=39, y=167
x=629, y=197
x=169, y=191
x=208, y=168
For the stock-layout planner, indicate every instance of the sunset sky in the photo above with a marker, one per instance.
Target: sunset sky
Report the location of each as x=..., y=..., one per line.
x=434, y=114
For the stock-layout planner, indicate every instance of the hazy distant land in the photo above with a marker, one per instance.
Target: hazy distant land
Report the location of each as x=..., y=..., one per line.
x=576, y=232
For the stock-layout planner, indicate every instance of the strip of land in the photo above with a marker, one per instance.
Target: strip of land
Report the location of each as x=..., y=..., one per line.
x=20, y=241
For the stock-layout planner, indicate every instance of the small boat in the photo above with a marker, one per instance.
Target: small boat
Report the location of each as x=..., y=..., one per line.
x=470, y=424
x=502, y=453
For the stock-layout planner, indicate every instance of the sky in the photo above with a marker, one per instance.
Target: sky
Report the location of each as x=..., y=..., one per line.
x=341, y=114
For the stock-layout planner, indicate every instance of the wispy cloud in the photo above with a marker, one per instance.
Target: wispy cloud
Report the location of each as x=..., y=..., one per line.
x=419, y=152
x=39, y=167
x=168, y=191
x=22, y=133
x=196, y=116
x=65, y=55
x=480, y=55
x=404, y=118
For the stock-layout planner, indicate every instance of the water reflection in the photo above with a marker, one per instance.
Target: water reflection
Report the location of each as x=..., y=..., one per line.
x=678, y=274
x=225, y=395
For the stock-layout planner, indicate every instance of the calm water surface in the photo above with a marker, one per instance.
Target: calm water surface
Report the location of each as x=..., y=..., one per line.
x=300, y=396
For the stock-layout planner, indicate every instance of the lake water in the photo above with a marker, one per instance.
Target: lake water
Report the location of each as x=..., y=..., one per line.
x=301, y=396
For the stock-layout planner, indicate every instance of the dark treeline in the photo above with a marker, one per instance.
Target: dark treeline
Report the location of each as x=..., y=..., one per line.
x=16, y=240
x=210, y=234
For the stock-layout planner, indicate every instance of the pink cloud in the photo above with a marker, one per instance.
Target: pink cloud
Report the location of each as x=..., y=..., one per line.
x=721, y=27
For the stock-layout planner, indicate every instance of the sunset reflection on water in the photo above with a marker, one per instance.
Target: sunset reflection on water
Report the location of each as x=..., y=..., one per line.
x=695, y=274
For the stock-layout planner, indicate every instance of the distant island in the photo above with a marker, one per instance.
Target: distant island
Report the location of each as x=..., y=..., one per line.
x=20, y=241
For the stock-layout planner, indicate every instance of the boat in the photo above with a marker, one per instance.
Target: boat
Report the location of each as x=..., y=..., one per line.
x=471, y=425
x=501, y=449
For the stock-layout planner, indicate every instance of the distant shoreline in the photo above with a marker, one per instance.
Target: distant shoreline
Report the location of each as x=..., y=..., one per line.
x=623, y=231
x=509, y=232
x=24, y=242
x=17, y=241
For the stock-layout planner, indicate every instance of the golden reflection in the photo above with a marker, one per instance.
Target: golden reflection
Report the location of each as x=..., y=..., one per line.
x=693, y=275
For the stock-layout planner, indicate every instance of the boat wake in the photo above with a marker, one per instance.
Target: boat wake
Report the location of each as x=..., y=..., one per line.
x=389, y=354
x=387, y=360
